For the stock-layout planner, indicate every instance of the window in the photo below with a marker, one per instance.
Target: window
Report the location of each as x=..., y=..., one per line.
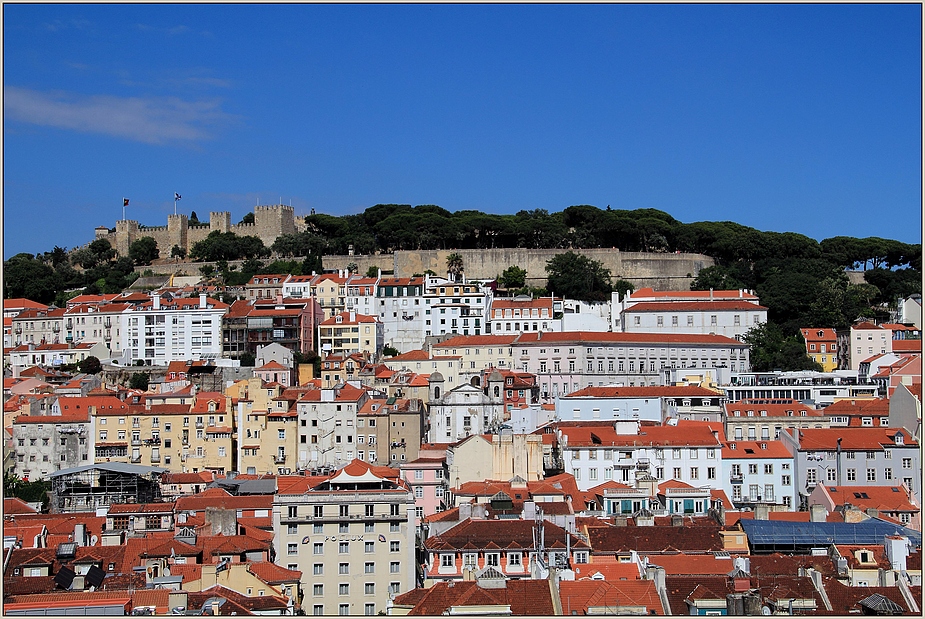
x=394, y=547
x=768, y=469
x=343, y=568
x=293, y=529
x=318, y=569
x=369, y=588
x=369, y=567
x=318, y=549
x=871, y=474
x=292, y=549
x=785, y=480
x=695, y=472
x=447, y=560
x=343, y=589
x=493, y=559
x=369, y=547
x=907, y=463
x=343, y=609
x=318, y=590
x=394, y=567
x=852, y=474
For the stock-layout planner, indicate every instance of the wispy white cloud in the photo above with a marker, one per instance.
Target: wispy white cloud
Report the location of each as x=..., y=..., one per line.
x=60, y=24
x=154, y=120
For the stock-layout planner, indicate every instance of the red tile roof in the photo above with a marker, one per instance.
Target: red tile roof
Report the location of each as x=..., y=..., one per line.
x=643, y=392
x=14, y=506
x=578, y=596
x=853, y=439
x=655, y=539
x=693, y=306
x=512, y=534
x=525, y=597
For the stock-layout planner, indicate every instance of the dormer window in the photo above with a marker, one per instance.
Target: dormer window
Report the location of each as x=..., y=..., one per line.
x=898, y=439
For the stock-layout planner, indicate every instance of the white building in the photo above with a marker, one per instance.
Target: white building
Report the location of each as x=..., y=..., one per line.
x=756, y=472
x=463, y=411
x=510, y=316
x=640, y=404
x=348, y=332
x=455, y=307
x=172, y=329
x=328, y=422
x=690, y=452
x=352, y=537
x=403, y=312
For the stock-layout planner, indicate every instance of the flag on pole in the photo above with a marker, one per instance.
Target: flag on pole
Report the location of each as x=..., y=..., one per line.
x=124, y=201
x=176, y=196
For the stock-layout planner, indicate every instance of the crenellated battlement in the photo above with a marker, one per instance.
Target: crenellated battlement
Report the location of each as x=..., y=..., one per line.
x=270, y=222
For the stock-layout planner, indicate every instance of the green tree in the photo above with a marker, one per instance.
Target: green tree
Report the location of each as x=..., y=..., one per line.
x=372, y=271
x=90, y=365
x=454, y=266
x=177, y=252
x=24, y=276
x=247, y=359
x=575, y=276
x=28, y=491
x=390, y=351
x=144, y=251
x=513, y=277
x=139, y=380
x=193, y=219
x=247, y=219
x=623, y=288
x=770, y=349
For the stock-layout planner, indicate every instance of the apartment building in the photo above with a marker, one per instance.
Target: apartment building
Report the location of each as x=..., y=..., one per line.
x=328, y=432
x=693, y=318
x=399, y=428
x=38, y=326
x=761, y=419
x=330, y=290
x=163, y=330
x=361, y=296
x=352, y=535
x=424, y=362
x=427, y=477
x=265, y=286
x=820, y=388
x=455, y=307
x=348, y=332
x=266, y=427
x=821, y=347
x=853, y=456
x=758, y=472
x=60, y=439
x=519, y=314
x=476, y=354
x=690, y=452
x=640, y=403
x=401, y=307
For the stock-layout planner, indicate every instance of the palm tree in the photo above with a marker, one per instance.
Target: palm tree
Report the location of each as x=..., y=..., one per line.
x=454, y=266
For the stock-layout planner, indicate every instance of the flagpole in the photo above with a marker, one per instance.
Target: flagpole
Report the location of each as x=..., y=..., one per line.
x=123, y=209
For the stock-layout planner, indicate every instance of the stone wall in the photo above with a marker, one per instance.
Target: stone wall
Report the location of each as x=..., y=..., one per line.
x=659, y=271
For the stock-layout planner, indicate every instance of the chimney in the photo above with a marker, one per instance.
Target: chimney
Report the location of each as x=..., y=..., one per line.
x=711, y=294
x=677, y=520
x=817, y=513
x=155, y=301
x=353, y=316
x=80, y=534
x=202, y=301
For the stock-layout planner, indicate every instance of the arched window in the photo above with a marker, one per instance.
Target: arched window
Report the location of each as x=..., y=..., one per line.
x=436, y=392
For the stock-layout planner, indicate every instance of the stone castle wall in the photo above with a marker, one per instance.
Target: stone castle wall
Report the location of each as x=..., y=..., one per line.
x=660, y=271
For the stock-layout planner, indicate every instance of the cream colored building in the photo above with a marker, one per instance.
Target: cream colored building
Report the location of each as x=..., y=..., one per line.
x=353, y=538
x=183, y=438
x=267, y=428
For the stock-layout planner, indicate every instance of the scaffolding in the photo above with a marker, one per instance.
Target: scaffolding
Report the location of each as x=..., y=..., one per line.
x=87, y=488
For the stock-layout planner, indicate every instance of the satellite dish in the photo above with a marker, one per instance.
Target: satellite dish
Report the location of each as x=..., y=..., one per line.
x=93, y=540
x=765, y=610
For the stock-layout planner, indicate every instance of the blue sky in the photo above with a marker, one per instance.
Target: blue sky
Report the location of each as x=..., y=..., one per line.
x=803, y=118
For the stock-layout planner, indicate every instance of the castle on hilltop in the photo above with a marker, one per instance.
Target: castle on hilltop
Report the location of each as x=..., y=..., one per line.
x=270, y=221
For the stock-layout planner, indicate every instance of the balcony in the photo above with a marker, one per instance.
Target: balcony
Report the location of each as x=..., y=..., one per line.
x=735, y=478
x=153, y=441
x=642, y=464
x=200, y=425
x=136, y=442
x=136, y=459
x=279, y=459
x=155, y=458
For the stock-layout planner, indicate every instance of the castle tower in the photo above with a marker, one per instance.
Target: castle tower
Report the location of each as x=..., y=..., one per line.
x=126, y=234
x=177, y=234
x=273, y=221
x=220, y=221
